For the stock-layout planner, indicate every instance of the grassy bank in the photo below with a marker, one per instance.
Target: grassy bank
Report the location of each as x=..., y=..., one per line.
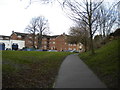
x=30, y=69
x=104, y=63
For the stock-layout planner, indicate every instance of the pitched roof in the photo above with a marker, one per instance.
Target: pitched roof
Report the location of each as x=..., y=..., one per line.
x=5, y=37
x=47, y=36
x=22, y=34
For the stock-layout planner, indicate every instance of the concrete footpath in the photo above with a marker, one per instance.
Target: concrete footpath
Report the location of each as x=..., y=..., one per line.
x=74, y=73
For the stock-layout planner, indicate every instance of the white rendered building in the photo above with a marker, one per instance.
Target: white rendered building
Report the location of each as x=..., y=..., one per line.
x=8, y=43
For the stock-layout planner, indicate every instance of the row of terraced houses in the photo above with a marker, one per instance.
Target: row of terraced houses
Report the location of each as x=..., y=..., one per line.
x=56, y=42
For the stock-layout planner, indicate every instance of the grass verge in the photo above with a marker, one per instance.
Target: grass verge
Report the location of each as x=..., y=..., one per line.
x=105, y=63
x=30, y=69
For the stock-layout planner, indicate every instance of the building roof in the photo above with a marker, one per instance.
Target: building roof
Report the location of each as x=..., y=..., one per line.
x=3, y=37
x=21, y=34
x=47, y=36
x=44, y=36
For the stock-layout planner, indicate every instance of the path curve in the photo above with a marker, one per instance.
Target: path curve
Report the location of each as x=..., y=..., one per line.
x=74, y=73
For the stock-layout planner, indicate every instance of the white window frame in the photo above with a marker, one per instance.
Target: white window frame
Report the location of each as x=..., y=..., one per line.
x=53, y=42
x=69, y=48
x=45, y=42
x=19, y=36
x=30, y=37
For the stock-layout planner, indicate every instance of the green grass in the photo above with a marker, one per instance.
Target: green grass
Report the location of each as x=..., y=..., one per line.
x=30, y=69
x=104, y=63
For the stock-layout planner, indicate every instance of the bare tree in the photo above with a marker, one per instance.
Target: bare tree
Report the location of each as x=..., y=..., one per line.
x=107, y=19
x=78, y=35
x=37, y=27
x=31, y=28
x=42, y=28
x=118, y=8
x=85, y=11
x=38, y=1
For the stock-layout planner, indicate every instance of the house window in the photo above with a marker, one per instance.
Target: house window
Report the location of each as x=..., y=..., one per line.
x=45, y=47
x=74, y=49
x=54, y=47
x=29, y=41
x=69, y=48
x=35, y=46
x=19, y=36
x=6, y=38
x=44, y=39
x=80, y=46
x=30, y=37
x=51, y=48
x=74, y=44
x=53, y=42
x=45, y=42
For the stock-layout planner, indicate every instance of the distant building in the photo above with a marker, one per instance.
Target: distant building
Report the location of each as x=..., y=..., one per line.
x=56, y=42
x=3, y=37
x=22, y=36
x=8, y=42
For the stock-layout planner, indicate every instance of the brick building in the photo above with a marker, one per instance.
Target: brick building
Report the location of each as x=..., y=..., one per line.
x=24, y=36
x=56, y=42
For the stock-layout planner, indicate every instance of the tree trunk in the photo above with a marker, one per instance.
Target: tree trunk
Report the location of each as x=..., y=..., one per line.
x=40, y=40
x=92, y=47
x=91, y=39
x=90, y=28
x=85, y=45
x=33, y=40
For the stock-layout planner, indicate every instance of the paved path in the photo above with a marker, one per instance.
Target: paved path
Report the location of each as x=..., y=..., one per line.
x=75, y=74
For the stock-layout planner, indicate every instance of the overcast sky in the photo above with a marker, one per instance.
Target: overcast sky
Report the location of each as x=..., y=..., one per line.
x=14, y=16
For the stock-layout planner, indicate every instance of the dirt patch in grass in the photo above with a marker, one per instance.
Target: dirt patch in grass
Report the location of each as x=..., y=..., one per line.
x=37, y=73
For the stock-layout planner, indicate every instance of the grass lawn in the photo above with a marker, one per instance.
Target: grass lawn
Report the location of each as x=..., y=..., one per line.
x=104, y=63
x=30, y=69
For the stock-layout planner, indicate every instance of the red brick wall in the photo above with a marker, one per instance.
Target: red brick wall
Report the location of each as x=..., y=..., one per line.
x=44, y=43
x=15, y=37
x=53, y=43
x=61, y=44
x=29, y=39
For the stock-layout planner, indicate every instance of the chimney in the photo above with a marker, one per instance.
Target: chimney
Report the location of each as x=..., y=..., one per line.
x=13, y=31
x=64, y=33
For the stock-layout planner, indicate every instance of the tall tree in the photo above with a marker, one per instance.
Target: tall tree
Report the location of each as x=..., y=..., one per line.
x=118, y=8
x=31, y=28
x=38, y=26
x=42, y=28
x=84, y=11
x=38, y=1
x=78, y=35
x=107, y=19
